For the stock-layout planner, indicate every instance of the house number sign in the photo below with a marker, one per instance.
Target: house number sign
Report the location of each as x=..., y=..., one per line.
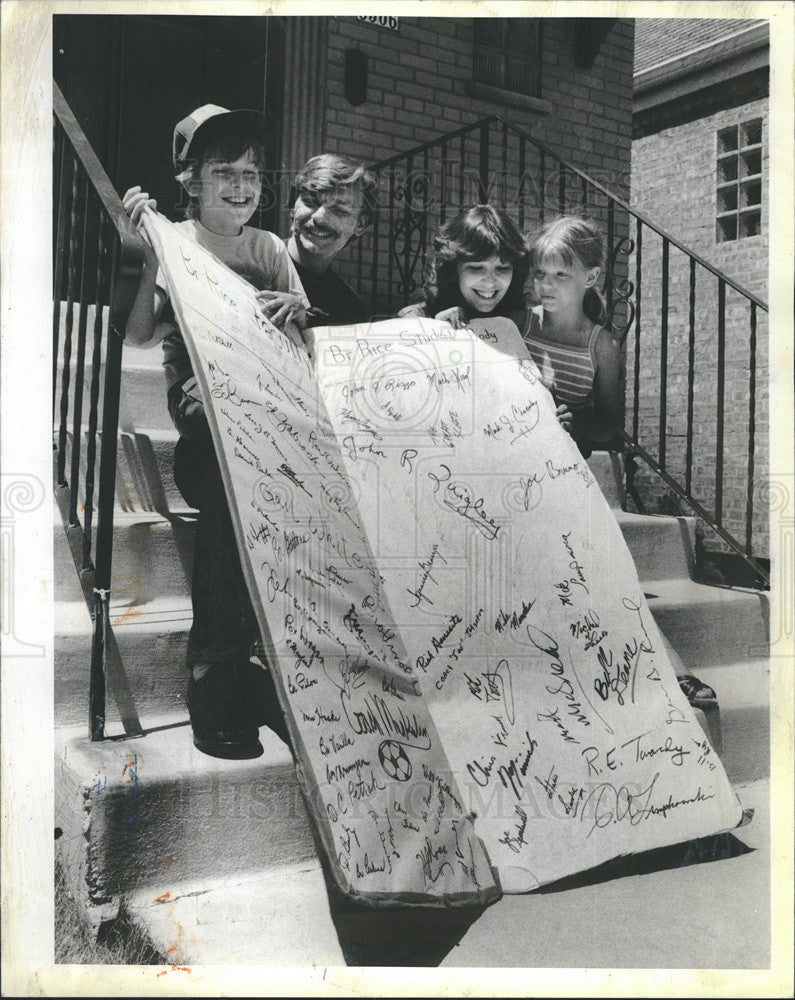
x=380, y=20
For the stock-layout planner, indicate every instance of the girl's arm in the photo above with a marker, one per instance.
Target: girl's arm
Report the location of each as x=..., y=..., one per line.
x=608, y=387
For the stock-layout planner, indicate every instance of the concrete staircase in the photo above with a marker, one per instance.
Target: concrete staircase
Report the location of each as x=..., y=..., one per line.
x=192, y=847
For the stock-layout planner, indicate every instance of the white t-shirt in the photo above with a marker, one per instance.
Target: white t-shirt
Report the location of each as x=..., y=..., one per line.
x=255, y=254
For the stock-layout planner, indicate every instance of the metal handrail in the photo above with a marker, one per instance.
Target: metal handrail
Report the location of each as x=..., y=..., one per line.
x=416, y=151
x=410, y=209
x=88, y=206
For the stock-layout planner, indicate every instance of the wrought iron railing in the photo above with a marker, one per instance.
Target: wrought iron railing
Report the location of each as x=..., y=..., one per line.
x=97, y=264
x=693, y=335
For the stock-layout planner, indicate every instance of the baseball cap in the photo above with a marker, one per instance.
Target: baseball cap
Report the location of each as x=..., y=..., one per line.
x=211, y=116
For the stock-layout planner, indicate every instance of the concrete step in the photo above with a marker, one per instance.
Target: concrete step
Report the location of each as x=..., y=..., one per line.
x=711, y=626
x=149, y=813
x=153, y=653
x=153, y=553
x=663, y=548
x=607, y=468
x=144, y=477
x=143, y=385
x=282, y=917
x=743, y=691
x=152, y=560
x=151, y=639
x=151, y=612
x=216, y=860
x=142, y=394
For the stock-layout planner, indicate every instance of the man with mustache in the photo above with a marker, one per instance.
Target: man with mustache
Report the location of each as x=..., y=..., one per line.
x=335, y=201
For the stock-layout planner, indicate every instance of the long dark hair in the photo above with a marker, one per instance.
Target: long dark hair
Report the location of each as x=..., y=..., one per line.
x=569, y=238
x=478, y=233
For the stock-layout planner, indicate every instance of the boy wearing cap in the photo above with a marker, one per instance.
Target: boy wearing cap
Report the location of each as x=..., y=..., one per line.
x=218, y=155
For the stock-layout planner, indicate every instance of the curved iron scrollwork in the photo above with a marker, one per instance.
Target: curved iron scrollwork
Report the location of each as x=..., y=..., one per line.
x=620, y=290
x=409, y=231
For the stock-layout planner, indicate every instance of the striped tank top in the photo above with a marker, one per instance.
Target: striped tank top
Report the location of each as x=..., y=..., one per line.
x=566, y=370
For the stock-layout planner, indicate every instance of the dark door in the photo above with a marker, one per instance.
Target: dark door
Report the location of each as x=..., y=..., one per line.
x=130, y=79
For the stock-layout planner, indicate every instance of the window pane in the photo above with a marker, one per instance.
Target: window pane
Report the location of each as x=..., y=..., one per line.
x=727, y=169
x=506, y=53
x=751, y=163
x=520, y=36
x=489, y=31
x=727, y=139
x=727, y=199
x=751, y=194
x=727, y=229
x=752, y=132
x=488, y=66
x=750, y=223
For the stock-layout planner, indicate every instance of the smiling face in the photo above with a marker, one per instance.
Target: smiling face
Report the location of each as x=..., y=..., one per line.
x=561, y=287
x=228, y=193
x=324, y=222
x=484, y=283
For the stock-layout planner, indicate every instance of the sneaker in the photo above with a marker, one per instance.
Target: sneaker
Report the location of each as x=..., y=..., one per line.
x=699, y=694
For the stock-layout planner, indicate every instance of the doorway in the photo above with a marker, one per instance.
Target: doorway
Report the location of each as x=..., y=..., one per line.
x=130, y=78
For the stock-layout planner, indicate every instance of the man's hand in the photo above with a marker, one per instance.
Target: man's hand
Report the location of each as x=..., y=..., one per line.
x=454, y=316
x=565, y=417
x=282, y=307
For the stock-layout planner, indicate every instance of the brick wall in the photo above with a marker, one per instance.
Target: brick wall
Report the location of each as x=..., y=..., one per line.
x=674, y=182
x=417, y=78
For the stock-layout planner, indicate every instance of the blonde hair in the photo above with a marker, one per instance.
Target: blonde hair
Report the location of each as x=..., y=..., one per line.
x=571, y=238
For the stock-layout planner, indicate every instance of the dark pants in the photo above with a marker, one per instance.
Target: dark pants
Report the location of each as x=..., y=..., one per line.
x=224, y=628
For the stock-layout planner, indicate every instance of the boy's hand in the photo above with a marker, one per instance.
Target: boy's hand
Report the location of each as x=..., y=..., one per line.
x=565, y=417
x=454, y=316
x=135, y=201
x=282, y=307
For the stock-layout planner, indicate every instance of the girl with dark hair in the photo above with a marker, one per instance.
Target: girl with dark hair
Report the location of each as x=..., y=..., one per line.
x=479, y=268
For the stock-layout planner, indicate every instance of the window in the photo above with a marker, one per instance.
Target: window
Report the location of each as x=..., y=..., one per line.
x=739, y=202
x=507, y=54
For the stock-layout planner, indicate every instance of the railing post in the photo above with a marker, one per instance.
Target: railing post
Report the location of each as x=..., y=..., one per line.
x=443, y=185
x=638, y=297
x=611, y=236
x=691, y=375
x=77, y=405
x=663, y=356
x=374, y=291
x=749, y=503
x=483, y=165
x=542, y=184
x=720, y=401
